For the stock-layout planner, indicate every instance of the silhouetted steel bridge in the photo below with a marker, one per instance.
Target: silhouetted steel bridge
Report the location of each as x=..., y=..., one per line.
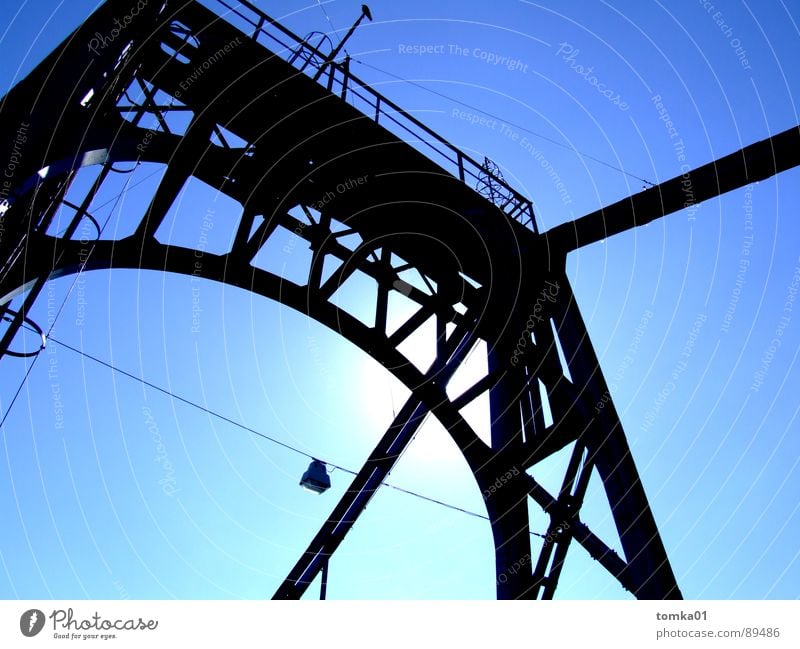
x=270, y=120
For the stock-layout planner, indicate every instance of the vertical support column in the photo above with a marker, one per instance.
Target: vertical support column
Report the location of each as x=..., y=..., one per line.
x=648, y=570
x=503, y=490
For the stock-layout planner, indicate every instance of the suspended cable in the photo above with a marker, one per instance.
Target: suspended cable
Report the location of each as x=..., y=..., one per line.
x=125, y=189
x=19, y=389
x=449, y=506
x=510, y=123
x=335, y=31
x=237, y=424
x=64, y=301
x=182, y=399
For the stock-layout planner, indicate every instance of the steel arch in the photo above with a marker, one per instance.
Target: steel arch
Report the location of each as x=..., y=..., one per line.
x=484, y=271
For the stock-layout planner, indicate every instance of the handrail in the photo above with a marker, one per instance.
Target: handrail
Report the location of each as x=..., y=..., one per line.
x=461, y=165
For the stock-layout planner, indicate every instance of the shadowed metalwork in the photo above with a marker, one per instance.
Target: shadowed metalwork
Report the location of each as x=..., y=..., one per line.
x=304, y=146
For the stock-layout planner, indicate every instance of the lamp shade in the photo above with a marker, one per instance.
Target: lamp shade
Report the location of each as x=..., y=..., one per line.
x=316, y=479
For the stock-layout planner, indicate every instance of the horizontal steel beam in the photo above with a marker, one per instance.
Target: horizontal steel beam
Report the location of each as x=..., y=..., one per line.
x=750, y=164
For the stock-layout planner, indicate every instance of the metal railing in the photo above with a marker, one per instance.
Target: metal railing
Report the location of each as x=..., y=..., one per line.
x=339, y=80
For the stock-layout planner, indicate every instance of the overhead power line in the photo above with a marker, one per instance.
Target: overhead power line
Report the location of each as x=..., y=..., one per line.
x=257, y=433
x=506, y=121
x=64, y=301
x=334, y=31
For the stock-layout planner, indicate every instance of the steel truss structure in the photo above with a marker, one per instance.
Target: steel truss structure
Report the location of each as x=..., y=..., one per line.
x=266, y=118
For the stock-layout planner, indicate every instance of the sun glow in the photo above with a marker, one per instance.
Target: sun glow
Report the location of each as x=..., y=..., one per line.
x=383, y=395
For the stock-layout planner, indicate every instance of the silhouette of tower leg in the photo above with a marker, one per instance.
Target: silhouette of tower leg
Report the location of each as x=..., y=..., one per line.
x=521, y=438
x=648, y=565
x=505, y=494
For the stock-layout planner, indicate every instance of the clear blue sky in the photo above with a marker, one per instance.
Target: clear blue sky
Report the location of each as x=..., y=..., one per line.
x=82, y=500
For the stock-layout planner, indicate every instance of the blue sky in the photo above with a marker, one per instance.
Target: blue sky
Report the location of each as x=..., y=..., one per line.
x=134, y=494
